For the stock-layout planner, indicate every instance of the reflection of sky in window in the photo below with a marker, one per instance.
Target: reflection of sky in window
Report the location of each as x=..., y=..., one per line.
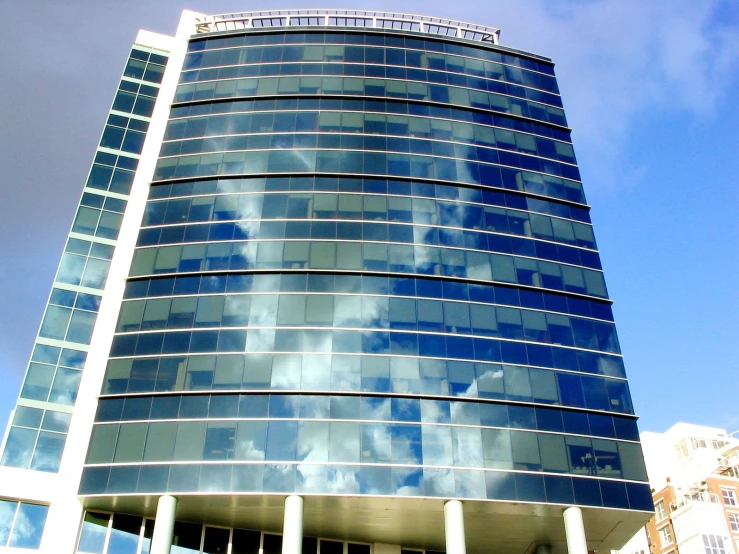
x=343, y=479
x=48, y=452
x=469, y=484
x=438, y=482
x=407, y=481
x=7, y=513
x=311, y=478
x=28, y=526
x=467, y=446
x=279, y=478
x=260, y=340
x=19, y=447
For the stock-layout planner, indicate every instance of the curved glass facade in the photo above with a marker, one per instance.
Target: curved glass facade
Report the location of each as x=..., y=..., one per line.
x=366, y=267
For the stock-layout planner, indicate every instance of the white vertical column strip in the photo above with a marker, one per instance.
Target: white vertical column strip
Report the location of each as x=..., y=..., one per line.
x=292, y=526
x=161, y=540
x=65, y=511
x=454, y=527
x=575, y=531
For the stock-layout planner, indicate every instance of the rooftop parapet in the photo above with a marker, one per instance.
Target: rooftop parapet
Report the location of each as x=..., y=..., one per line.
x=347, y=18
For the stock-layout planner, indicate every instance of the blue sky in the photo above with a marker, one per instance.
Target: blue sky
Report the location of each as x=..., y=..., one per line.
x=650, y=89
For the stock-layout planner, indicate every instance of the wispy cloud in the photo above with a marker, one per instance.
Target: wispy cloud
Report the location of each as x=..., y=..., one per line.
x=618, y=61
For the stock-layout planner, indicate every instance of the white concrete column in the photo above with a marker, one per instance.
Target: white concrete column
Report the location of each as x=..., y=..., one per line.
x=454, y=527
x=292, y=527
x=161, y=541
x=575, y=531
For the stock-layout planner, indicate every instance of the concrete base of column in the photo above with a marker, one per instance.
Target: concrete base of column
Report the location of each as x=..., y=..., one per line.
x=292, y=526
x=161, y=540
x=575, y=531
x=454, y=527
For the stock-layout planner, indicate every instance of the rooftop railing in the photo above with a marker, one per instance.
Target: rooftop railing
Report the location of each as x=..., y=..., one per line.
x=347, y=18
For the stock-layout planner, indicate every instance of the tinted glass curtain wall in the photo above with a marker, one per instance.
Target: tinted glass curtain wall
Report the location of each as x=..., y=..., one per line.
x=366, y=267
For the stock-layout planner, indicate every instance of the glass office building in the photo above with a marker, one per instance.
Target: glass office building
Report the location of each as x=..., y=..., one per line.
x=354, y=304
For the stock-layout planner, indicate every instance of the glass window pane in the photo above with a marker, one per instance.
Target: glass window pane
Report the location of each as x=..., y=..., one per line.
x=19, y=447
x=109, y=225
x=56, y=421
x=632, y=461
x=216, y=540
x=80, y=326
x=272, y=544
x=245, y=542
x=496, y=446
x=27, y=417
x=38, y=381
x=131, y=316
x=95, y=274
x=66, y=383
x=124, y=535
x=55, y=322
x=7, y=514
x=553, y=453
x=102, y=444
x=209, y=311
x=219, y=441
x=130, y=443
x=148, y=533
x=186, y=538
x=71, y=268
x=525, y=451
x=160, y=442
x=189, y=441
x=156, y=314
x=94, y=528
x=48, y=453
x=86, y=221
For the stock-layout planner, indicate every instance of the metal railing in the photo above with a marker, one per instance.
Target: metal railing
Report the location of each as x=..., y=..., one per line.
x=693, y=497
x=728, y=465
x=347, y=18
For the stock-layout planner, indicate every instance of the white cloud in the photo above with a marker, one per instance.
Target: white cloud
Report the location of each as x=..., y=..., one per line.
x=617, y=61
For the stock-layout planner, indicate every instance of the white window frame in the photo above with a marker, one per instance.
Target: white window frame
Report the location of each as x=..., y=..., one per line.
x=720, y=547
x=733, y=521
x=660, y=510
x=665, y=536
x=729, y=496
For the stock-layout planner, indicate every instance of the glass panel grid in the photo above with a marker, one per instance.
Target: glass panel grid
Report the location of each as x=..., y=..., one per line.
x=71, y=311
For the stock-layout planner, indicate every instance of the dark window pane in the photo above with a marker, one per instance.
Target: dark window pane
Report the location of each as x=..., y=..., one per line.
x=216, y=540
x=272, y=544
x=332, y=547
x=310, y=545
x=186, y=538
x=358, y=548
x=245, y=542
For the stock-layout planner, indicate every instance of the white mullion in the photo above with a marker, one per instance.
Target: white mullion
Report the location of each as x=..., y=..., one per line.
x=106, y=542
x=12, y=524
x=140, y=544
